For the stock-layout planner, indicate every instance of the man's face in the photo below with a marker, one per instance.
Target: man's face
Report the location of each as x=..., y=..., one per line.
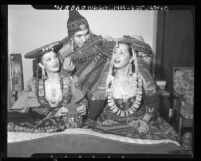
x=81, y=37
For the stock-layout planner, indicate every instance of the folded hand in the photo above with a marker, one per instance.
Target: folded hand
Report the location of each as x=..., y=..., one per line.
x=81, y=109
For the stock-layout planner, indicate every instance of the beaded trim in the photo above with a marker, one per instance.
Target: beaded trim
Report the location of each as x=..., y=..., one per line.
x=133, y=108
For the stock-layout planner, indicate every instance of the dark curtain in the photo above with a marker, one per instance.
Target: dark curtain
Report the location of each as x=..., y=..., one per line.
x=175, y=43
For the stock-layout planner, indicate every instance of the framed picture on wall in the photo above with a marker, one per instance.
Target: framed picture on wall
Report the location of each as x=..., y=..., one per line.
x=17, y=83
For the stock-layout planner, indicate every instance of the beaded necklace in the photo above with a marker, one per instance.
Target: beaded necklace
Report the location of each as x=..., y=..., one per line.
x=111, y=103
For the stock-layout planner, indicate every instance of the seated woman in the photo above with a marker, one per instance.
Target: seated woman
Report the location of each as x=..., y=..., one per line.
x=52, y=102
x=132, y=103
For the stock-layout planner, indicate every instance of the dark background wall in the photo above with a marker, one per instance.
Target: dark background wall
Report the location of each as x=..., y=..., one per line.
x=175, y=43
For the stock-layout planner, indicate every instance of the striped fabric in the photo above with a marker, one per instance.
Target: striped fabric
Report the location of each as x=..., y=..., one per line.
x=111, y=123
x=92, y=63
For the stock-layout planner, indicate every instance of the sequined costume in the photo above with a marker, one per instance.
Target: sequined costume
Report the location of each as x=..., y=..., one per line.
x=38, y=116
x=124, y=116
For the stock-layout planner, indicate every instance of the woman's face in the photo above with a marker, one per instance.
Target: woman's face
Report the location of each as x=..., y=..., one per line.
x=122, y=56
x=50, y=62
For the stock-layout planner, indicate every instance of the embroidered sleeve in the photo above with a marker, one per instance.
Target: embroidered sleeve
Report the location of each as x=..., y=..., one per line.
x=152, y=104
x=66, y=49
x=64, y=52
x=77, y=90
x=84, y=102
x=66, y=72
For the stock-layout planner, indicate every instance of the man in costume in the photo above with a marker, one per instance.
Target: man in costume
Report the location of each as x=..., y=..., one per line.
x=89, y=61
x=90, y=55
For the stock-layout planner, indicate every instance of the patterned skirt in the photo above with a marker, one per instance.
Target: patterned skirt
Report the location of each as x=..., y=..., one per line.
x=37, y=122
x=159, y=129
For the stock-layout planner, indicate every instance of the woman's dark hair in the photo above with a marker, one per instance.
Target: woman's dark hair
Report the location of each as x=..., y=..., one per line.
x=37, y=71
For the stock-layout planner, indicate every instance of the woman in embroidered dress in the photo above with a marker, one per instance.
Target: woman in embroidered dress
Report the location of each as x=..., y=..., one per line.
x=52, y=102
x=132, y=103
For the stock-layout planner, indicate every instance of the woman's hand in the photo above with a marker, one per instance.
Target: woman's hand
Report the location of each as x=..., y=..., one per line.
x=81, y=109
x=68, y=64
x=62, y=111
x=144, y=127
x=147, y=117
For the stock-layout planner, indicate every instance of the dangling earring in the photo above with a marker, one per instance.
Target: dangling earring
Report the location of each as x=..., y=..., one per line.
x=113, y=71
x=43, y=72
x=130, y=70
x=135, y=60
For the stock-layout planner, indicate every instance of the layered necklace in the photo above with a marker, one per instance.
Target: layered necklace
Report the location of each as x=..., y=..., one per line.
x=137, y=81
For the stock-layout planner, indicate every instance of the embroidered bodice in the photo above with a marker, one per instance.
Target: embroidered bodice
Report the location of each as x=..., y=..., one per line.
x=57, y=95
x=53, y=92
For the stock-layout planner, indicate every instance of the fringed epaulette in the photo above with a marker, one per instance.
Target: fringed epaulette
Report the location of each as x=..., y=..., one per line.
x=86, y=53
x=90, y=45
x=142, y=47
x=105, y=48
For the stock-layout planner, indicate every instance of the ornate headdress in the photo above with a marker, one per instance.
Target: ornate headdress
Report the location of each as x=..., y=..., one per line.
x=37, y=53
x=55, y=46
x=76, y=22
x=140, y=67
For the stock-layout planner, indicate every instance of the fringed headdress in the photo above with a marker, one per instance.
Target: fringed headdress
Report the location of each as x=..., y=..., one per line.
x=140, y=68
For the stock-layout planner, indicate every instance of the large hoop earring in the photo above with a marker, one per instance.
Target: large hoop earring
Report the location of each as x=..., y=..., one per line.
x=130, y=68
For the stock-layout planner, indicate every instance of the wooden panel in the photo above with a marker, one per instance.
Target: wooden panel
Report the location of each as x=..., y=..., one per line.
x=159, y=45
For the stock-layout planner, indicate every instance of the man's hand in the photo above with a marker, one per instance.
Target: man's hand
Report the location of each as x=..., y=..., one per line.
x=81, y=109
x=68, y=64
